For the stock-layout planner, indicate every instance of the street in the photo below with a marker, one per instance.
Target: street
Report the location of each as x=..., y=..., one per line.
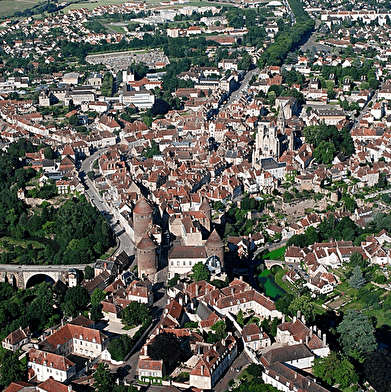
x=125, y=242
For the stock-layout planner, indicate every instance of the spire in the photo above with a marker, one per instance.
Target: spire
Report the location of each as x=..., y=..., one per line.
x=281, y=118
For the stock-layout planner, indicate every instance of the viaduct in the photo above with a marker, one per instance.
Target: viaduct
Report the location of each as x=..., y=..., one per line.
x=19, y=276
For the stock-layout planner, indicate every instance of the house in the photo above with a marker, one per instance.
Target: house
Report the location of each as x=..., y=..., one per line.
x=76, y=339
x=45, y=365
x=254, y=338
x=212, y=364
x=16, y=339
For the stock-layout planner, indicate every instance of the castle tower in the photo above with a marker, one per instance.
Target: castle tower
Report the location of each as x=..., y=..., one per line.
x=215, y=247
x=146, y=253
x=206, y=208
x=142, y=219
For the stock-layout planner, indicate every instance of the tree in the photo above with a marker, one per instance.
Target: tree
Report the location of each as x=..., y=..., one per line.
x=89, y=272
x=377, y=370
x=103, y=380
x=74, y=120
x=356, y=334
x=335, y=369
x=220, y=332
x=305, y=306
x=135, y=314
x=97, y=296
x=200, y=272
x=357, y=280
x=311, y=236
x=356, y=259
x=48, y=152
x=76, y=299
x=255, y=370
x=168, y=347
x=91, y=174
x=282, y=304
x=11, y=369
x=239, y=318
x=120, y=347
x=325, y=152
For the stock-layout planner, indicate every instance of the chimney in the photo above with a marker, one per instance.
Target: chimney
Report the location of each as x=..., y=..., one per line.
x=302, y=319
x=306, y=340
x=69, y=388
x=324, y=339
x=310, y=332
x=315, y=328
x=105, y=265
x=298, y=315
x=202, y=370
x=283, y=319
x=294, y=318
x=319, y=334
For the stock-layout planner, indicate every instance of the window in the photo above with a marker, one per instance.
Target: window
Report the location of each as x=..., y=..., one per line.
x=184, y=262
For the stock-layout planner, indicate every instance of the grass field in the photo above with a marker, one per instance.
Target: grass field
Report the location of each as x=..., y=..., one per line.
x=117, y=29
x=8, y=8
x=277, y=254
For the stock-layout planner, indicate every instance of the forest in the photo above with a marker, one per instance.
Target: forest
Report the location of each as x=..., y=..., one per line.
x=74, y=233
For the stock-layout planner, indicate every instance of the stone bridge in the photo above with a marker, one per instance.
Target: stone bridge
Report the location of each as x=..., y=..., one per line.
x=271, y=263
x=20, y=275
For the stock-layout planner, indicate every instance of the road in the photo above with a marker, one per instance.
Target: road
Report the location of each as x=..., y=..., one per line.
x=244, y=85
x=125, y=242
x=232, y=373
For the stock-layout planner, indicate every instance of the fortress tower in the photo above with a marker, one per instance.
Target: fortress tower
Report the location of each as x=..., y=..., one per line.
x=215, y=247
x=142, y=219
x=146, y=253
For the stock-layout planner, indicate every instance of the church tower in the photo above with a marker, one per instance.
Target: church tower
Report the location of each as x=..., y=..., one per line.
x=281, y=124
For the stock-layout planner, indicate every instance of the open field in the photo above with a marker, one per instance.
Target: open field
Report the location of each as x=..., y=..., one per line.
x=8, y=8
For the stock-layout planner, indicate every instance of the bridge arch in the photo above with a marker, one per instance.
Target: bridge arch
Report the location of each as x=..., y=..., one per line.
x=38, y=278
x=271, y=263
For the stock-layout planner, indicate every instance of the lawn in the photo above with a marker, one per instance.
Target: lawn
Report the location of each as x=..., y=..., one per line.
x=8, y=8
x=277, y=254
x=117, y=29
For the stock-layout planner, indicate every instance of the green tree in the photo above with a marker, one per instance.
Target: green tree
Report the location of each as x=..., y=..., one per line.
x=11, y=369
x=356, y=259
x=200, y=272
x=303, y=304
x=325, y=152
x=239, y=318
x=282, y=304
x=357, y=279
x=48, y=152
x=103, y=380
x=135, y=314
x=89, y=272
x=91, y=174
x=335, y=369
x=98, y=296
x=96, y=312
x=356, y=334
x=76, y=299
x=74, y=120
x=220, y=332
x=120, y=347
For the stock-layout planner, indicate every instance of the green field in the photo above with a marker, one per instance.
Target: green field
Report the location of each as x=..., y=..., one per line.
x=8, y=8
x=277, y=254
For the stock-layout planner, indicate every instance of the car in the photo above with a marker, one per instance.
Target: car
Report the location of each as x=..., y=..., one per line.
x=239, y=368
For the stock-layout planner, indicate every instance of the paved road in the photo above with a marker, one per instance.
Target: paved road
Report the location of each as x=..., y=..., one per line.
x=125, y=242
x=243, y=86
x=232, y=373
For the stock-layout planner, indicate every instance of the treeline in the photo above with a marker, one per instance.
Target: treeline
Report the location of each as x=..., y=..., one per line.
x=289, y=38
x=73, y=233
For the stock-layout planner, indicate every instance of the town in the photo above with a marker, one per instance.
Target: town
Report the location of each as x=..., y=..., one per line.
x=195, y=196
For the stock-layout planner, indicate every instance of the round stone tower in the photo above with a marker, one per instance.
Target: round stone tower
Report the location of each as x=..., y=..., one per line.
x=146, y=253
x=142, y=219
x=215, y=247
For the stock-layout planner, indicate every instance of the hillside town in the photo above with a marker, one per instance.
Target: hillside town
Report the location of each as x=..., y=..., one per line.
x=195, y=197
